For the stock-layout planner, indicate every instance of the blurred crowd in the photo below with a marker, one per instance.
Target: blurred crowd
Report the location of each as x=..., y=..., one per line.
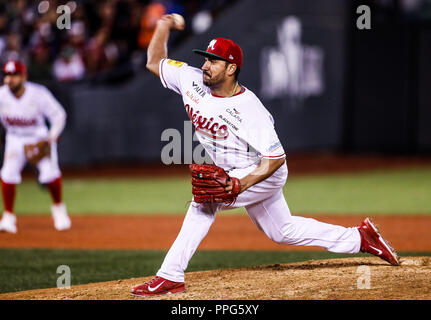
x=103, y=40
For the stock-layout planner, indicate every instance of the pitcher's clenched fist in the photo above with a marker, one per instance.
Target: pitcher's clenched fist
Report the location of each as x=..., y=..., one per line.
x=175, y=21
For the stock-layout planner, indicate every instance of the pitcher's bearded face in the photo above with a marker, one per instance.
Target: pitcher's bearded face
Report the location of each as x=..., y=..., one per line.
x=214, y=71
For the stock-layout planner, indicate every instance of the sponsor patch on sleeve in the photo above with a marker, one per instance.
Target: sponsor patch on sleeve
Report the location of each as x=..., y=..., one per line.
x=274, y=146
x=175, y=63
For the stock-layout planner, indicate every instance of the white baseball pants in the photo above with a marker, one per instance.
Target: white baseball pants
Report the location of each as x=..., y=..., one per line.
x=270, y=213
x=14, y=161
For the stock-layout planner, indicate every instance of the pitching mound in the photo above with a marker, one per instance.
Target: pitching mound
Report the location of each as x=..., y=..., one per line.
x=352, y=278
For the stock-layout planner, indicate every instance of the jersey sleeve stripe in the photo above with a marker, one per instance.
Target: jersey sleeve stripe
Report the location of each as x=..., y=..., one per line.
x=275, y=157
x=161, y=73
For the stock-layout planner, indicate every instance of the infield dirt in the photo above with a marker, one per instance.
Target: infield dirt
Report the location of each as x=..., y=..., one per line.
x=406, y=233
x=312, y=280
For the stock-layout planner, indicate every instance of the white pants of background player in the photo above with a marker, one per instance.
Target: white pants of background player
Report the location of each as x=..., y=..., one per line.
x=266, y=206
x=14, y=160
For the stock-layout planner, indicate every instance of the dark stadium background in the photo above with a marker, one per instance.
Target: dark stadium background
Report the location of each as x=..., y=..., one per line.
x=374, y=95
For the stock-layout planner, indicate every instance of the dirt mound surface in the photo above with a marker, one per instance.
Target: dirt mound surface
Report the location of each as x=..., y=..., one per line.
x=352, y=278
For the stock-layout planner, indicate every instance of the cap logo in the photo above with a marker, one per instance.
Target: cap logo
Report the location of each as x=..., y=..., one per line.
x=212, y=43
x=230, y=57
x=10, y=67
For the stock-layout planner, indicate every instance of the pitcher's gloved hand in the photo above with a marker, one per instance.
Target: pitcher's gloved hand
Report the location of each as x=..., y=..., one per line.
x=209, y=182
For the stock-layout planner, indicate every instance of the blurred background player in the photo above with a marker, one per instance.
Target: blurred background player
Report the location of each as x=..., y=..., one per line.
x=24, y=107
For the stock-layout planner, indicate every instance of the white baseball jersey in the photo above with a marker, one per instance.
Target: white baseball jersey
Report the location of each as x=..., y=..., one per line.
x=24, y=121
x=236, y=132
x=25, y=116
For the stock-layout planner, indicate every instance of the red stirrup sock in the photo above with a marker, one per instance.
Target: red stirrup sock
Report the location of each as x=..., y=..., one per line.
x=8, y=192
x=55, y=188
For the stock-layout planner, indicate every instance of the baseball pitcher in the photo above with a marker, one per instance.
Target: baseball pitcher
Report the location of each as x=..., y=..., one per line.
x=249, y=167
x=24, y=107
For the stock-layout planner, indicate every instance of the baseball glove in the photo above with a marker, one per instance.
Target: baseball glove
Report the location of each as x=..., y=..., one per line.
x=209, y=182
x=37, y=151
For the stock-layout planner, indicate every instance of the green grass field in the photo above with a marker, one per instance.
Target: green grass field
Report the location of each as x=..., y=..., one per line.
x=378, y=192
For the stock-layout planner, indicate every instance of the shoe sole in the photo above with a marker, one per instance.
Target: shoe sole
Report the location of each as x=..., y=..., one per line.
x=3, y=229
x=8, y=231
x=178, y=290
x=62, y=228
x=383, y=241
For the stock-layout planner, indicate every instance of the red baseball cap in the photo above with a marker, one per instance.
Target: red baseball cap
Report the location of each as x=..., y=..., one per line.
x=14, y=67
x=225, y=49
